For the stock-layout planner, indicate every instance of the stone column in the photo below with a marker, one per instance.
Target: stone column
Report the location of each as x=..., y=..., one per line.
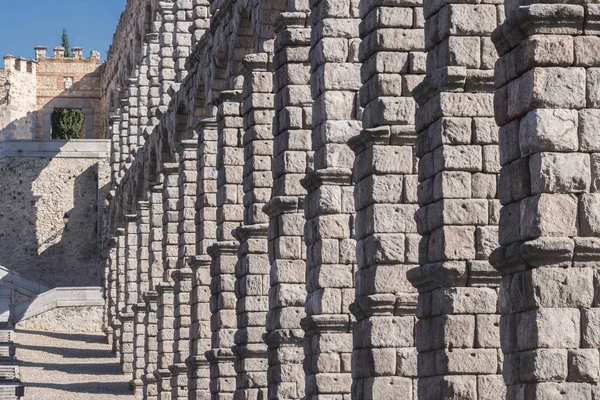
x=206, y=202
x=546, y=104
x=329, y=206
x=155, y=258
x=124, y=136
x=150, y=389
x=131, y=263
x=120, y=289
x=252, y=271
x=165, y=316
x=183, y=276
x=153, y=78
x=166, y=305
x=132, y=100
x=230, y=161
x=206, y=230
x=200, y=330
x=182, y=38
x=155, y=263
x=457, y=332
x=143, y=92
x=166, y=65
x=111, y=291
x=201, y=19
x=139, y=341
x=131, y=294
x=291, y=144
x=223, y=320
x=115, y=150
x=384, y=362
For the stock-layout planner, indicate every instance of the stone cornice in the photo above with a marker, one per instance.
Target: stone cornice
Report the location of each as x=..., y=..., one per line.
x=334, y=176
x=437, y=275
x=222, y=247
x=165, y=287
x=183, y=274
x=245, y=232
x=536, y=19
x=281, y=205
x=540, y=252
x=315, y=324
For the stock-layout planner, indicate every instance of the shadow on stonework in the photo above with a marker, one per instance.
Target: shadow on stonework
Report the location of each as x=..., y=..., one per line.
x=112, y=388
x=76, y=337
x=49, y=218
x=99, y=369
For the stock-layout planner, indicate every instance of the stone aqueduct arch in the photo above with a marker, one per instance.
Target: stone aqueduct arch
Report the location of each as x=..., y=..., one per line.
x=275, y=192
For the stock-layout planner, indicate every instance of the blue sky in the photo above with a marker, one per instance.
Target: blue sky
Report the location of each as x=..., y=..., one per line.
x=28, y=23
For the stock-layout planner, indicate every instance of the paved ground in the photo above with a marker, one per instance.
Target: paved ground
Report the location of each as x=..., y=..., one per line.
x=69, y=366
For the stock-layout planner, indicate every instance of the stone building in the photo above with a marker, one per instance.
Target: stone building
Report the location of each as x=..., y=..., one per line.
x=365, y=200
x=38, y=87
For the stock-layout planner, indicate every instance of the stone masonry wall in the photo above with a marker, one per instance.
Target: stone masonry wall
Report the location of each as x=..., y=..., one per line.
x=18, y=105
x=36, y=193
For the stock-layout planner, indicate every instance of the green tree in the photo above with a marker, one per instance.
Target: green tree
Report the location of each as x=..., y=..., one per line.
x=65, y=43
x=67, y=123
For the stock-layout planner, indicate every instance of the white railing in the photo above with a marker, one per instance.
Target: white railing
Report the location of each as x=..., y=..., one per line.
x=58, y=297
x=76, y=148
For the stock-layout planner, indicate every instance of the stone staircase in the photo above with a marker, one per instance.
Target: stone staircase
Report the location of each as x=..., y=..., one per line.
x=10, y=377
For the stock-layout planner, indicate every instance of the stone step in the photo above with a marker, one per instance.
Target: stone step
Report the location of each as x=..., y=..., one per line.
x=7, y=350
x=13, y=391
x=6, y=336
x=9, y=372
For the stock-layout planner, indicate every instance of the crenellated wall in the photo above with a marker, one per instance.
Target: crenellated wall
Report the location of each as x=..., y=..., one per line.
x=39, y=86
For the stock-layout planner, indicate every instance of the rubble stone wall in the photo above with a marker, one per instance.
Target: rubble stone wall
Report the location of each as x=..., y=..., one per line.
x=37, y=192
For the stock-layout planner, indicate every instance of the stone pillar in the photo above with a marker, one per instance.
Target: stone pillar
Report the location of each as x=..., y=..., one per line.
x=166, y=65
x=384, y=364
x=182, y=38
x=200, y=330
x=115, y=150
x=252, y=271
x=230, y=211
x=285, y=209
x=546, y=105
x=131, y=263
x=165, y=317
x=111, y=291
x=186, y=207
x=201, y=19
x=166, y=305
x=457, y=331
x=206, y=202
x=155, y=265
x=139, y=341
x=153, y=79
x=132, y=99
x=329, y=206
x=223, y=320
x=124, y=136
x=143, y=92
x=120, y=289
x=155, y=258
x=206, y=230
x=131, y=294
x=150, y=389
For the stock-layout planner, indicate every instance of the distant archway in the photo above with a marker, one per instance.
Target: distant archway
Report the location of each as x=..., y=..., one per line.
x=84, y=105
